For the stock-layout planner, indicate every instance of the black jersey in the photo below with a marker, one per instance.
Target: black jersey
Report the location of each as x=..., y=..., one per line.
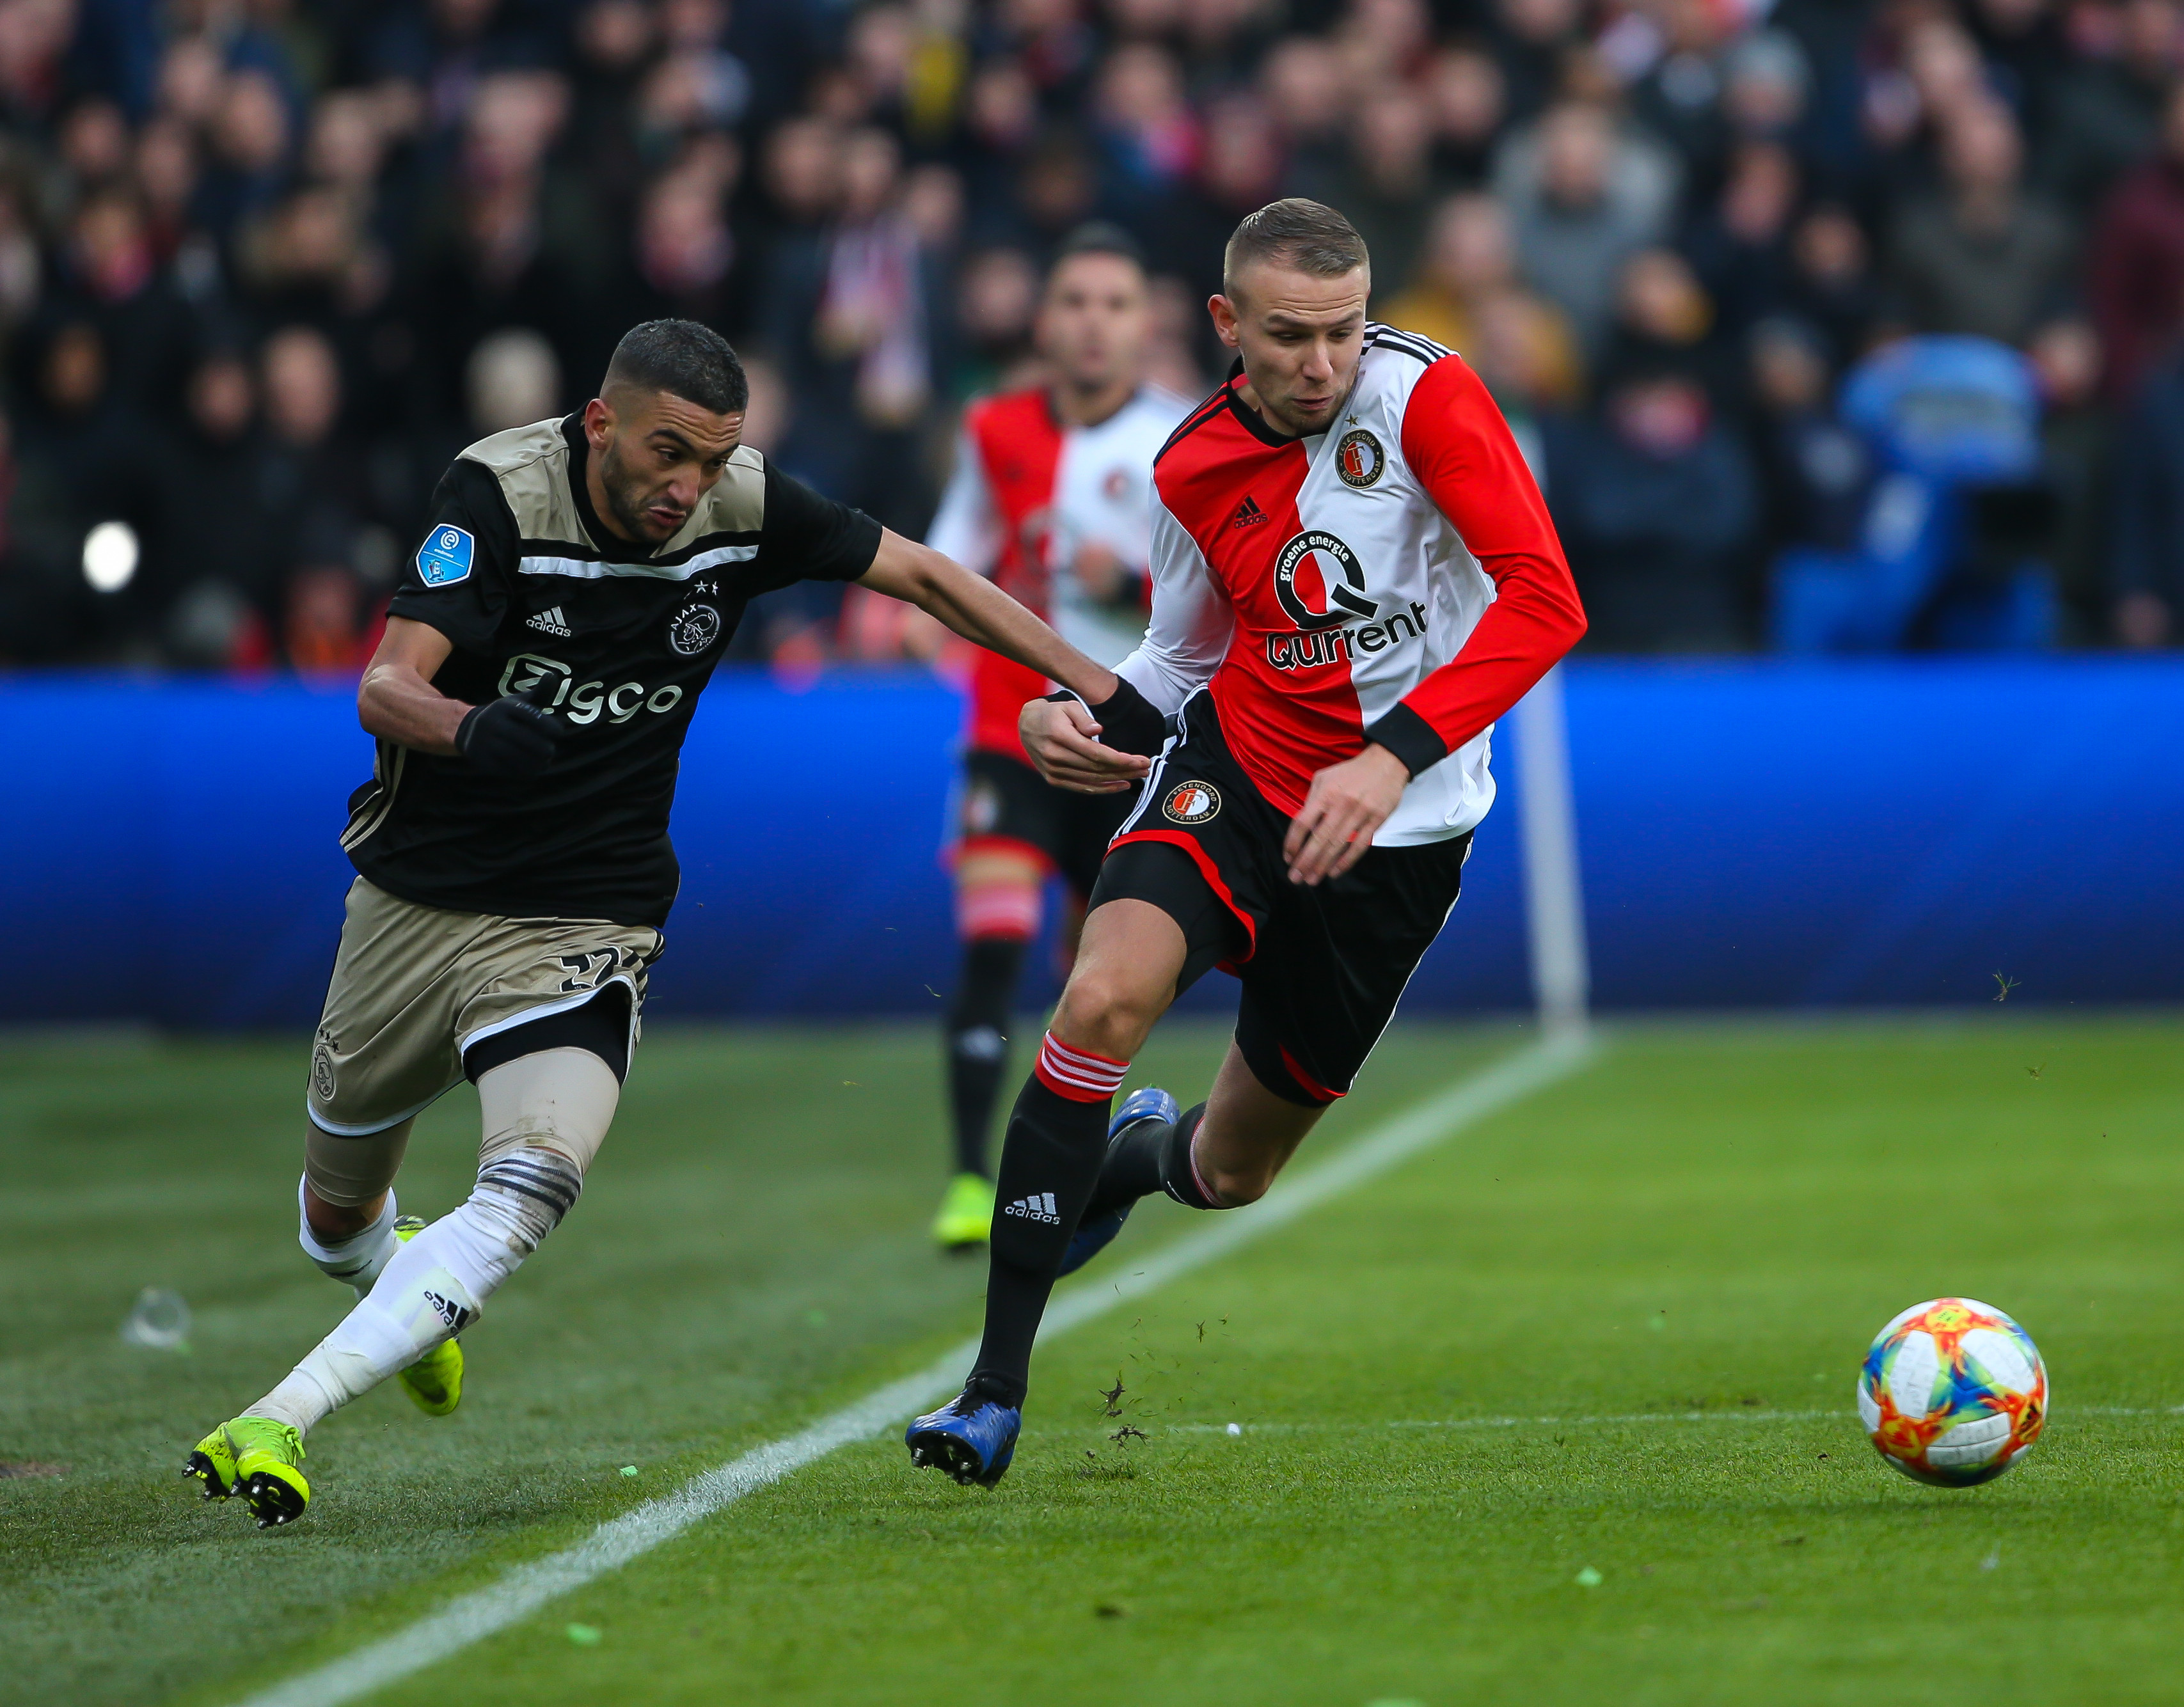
x=542, y=602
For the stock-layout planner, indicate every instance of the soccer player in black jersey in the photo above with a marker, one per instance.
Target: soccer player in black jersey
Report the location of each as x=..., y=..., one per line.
x=542, y=656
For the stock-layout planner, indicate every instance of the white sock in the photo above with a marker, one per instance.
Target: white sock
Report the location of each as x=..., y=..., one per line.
x=358, y=1259
x=433, y=1286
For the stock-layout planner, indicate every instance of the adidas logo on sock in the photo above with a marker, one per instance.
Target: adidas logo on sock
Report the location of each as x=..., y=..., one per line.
x=551, y=622
x=1038, y=1207
x=453, y=1314
x=1247, y=513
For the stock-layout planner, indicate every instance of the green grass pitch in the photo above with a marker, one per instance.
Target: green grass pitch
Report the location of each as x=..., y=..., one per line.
x=1558, y=1412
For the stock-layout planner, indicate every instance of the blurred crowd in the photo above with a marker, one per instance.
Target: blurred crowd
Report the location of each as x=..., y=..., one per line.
x=265, y=265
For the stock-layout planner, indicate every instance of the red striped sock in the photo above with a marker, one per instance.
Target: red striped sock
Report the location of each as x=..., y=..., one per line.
x=1077, y=1074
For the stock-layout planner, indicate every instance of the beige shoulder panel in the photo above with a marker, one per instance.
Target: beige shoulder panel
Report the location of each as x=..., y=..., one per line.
x=532, y=463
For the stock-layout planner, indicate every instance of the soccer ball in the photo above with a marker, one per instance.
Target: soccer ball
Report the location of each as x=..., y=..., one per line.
x=1952, y=1393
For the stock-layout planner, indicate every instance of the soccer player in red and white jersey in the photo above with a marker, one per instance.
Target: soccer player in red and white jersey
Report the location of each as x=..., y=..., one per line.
x=1050, y=496
x=1354, y=575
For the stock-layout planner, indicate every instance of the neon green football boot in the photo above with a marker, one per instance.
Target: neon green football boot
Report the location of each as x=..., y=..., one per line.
x=966, y=1213
x=435, y=1381
x=254, y=1457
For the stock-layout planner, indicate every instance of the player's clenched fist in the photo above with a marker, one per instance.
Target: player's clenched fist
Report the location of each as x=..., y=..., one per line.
x=508, y=737
x=1347, y=804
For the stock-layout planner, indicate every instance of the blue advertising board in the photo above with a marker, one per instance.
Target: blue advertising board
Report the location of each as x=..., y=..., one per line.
x=1752, y=834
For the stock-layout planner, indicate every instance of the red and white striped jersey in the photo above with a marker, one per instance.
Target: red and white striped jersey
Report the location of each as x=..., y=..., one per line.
x=1029, y=491
x=1394, y=578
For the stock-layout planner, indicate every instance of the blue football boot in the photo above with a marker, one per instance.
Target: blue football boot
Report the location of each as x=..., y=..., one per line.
x=1146, y=1103
x=972, y=1437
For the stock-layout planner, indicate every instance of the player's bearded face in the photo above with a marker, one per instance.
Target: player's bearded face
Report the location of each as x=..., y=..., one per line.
x=1299, y=336
x=643, y=506
x=656, y=460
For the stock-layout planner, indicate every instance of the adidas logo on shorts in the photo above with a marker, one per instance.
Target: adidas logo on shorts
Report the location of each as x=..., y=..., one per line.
x=551, y=622
x=1038, y=1207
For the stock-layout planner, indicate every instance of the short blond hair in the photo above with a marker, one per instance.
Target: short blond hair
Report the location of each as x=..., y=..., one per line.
x=1307, y=235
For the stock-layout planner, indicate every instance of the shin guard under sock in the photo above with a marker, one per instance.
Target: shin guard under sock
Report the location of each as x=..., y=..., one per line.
x=1056, y=1139
x=978, y=1042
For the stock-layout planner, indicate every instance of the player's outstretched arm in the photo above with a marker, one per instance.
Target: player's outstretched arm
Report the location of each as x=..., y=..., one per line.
x=983, y=614
x=397, y=702
x=974, y=607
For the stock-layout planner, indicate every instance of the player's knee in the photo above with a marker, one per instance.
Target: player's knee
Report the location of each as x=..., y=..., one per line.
x=1233, y=1188
x=1104, y=1009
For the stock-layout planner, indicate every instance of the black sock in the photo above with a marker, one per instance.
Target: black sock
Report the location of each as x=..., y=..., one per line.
x=1049, y=1161
x=979, y=1042
x=1152, y=1156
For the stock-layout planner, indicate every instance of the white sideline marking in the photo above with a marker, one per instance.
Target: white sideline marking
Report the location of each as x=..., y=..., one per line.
x=525, y=1588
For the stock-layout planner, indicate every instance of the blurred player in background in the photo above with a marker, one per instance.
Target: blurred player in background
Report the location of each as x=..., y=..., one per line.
x=1353, y=575
x=1050, y=498
x=543, y=657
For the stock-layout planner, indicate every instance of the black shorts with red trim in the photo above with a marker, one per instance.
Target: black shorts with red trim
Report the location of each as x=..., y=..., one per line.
x=1005, y=805
x=1322, y=967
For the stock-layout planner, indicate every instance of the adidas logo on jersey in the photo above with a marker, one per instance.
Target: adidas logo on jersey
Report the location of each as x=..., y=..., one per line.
x=551, y=622
x=1248, y=512
x=1038, y=1207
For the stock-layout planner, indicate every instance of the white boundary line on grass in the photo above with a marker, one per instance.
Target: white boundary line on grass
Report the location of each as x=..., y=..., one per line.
x=484, y=1612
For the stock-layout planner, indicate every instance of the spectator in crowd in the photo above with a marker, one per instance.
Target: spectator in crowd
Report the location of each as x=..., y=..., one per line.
x=1982, y=257
x=2136, y=279
x=1470, y=263
x=2146, y=559
x=1658, y=505
x=1583, y=197
x=2104, y=113
x=2077, y=434
x=1815, y=474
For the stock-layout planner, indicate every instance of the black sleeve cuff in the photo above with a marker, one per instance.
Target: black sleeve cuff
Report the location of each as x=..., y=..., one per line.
x=1409, y=738
x=1128, y=721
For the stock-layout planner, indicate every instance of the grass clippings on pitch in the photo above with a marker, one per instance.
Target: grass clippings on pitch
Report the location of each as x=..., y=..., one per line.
x=1559, y=1413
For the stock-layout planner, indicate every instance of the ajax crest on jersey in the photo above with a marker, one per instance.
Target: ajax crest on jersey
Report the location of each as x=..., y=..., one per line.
x=1358, y=458
x=1320, y=582
x=1192, y=803
x=693, y=628
x=1952, y=1393
x=445, y=557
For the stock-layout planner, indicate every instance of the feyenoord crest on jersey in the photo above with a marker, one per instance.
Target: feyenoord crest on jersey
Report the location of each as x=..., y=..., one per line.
x=1192, y=803
x=1320, y=582
x=1358, y=458
x=693, y=628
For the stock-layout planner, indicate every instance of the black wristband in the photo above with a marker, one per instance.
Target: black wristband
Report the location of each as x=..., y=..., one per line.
x=1409, y=738
x=1128, y=721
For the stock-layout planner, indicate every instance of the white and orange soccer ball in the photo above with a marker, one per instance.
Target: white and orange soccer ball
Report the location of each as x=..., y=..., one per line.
x=1952, y=1393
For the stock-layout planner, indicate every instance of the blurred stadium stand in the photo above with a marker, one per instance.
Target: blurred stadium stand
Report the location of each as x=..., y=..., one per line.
x=266, y=265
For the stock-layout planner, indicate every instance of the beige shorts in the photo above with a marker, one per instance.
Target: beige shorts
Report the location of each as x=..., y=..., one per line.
x=415, y=986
